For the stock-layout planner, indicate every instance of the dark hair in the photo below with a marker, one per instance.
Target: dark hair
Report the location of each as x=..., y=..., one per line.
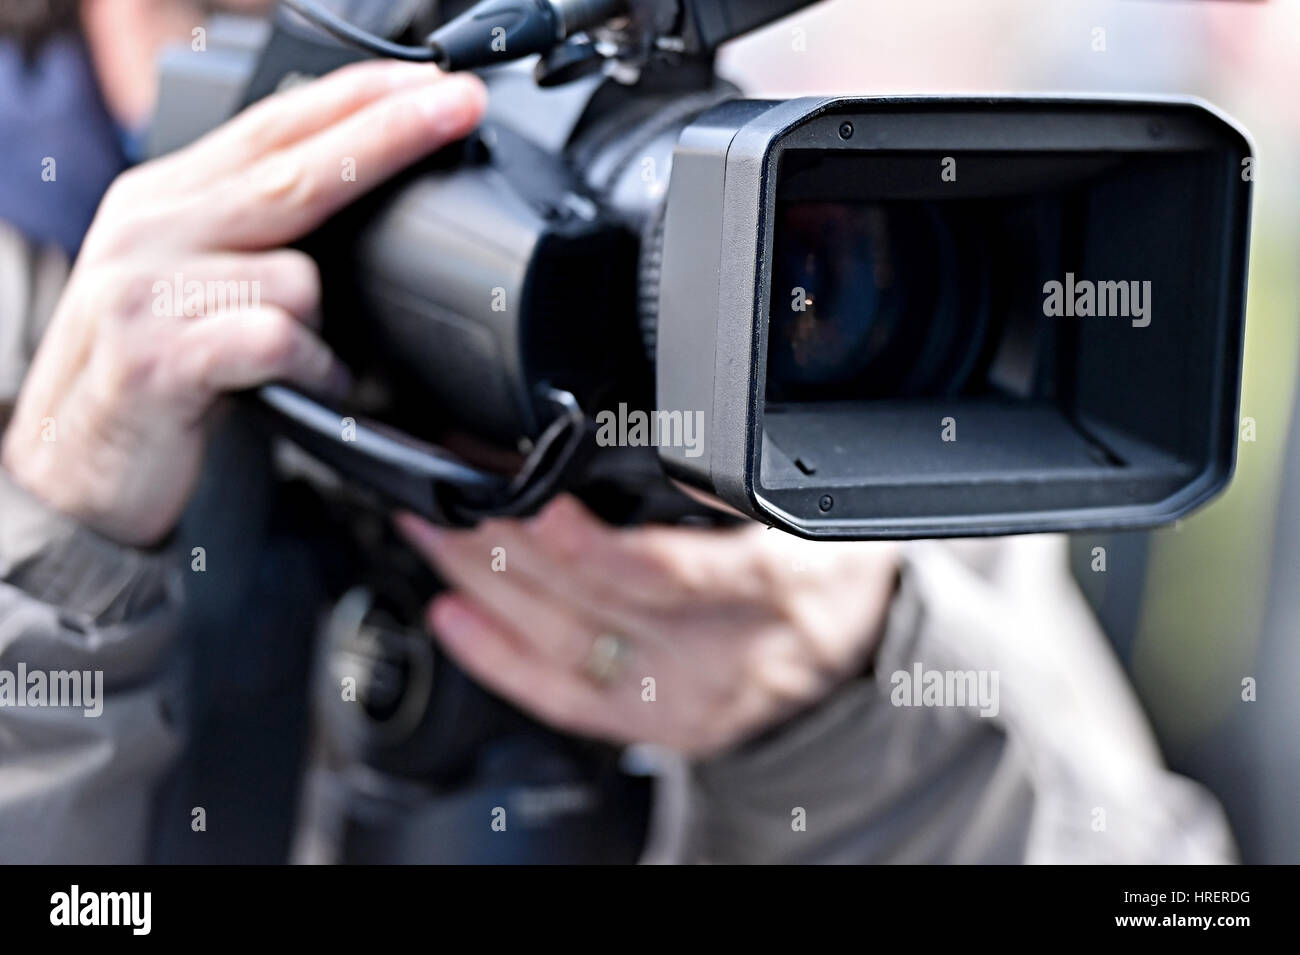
x=32, y=22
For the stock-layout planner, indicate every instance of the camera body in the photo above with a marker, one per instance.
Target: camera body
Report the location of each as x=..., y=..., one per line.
x=868, y=317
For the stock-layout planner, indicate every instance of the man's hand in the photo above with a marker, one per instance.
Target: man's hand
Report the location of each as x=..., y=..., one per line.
x=110, y=423
x=736, y=628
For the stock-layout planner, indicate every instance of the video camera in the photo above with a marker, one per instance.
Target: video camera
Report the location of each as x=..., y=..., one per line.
x=878, y=316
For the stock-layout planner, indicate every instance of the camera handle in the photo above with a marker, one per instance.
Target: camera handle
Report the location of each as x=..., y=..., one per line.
x=418, y=476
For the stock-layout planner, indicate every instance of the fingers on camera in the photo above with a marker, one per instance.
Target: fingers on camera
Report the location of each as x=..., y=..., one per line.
x=242, y=349
x=301, y=111
x=290, y=191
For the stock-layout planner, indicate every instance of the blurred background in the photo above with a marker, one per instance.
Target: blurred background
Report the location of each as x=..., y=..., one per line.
x=1197, y=611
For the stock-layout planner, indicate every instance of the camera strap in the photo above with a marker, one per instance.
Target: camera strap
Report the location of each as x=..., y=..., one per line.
x=421, y=477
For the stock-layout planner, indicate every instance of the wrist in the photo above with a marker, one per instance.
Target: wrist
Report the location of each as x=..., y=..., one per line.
x=57, y=560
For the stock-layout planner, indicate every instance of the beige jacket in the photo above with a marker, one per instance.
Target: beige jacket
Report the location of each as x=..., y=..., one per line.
x=1062, y=768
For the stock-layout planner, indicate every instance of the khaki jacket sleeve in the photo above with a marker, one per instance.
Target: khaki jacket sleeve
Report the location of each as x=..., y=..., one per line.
x=1048, y=758
x=85, y=625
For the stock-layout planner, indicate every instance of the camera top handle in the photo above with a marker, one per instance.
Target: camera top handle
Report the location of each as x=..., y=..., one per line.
x=491, y=32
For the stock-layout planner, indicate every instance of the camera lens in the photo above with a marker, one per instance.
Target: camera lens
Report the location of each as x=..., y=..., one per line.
x=871, y=300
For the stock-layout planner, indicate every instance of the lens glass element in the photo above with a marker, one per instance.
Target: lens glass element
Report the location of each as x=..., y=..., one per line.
x=867, y=301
